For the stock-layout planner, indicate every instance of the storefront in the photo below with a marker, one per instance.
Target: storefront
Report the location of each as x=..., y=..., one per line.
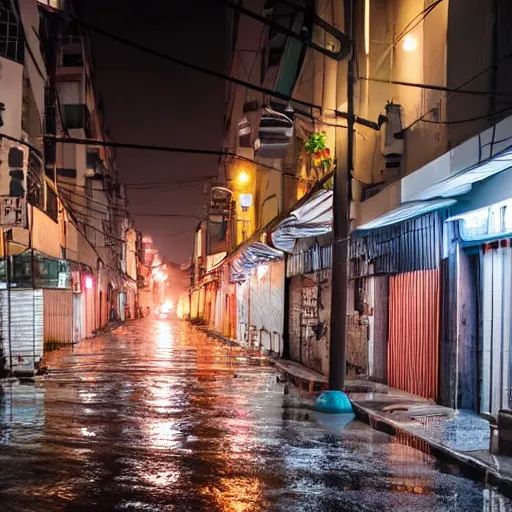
x=483, y=262
x=309, y=288
x=402, y=260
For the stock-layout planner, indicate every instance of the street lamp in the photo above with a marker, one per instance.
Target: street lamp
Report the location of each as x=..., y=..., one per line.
x=409, y=43
x=243, y=178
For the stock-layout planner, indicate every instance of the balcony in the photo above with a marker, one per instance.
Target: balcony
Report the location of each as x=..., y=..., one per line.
x=76, y=117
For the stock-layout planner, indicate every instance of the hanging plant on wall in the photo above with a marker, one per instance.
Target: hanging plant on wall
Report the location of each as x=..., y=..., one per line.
x=320, y=153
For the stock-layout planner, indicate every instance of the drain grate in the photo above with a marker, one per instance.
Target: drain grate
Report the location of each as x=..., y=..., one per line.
x=431, y=419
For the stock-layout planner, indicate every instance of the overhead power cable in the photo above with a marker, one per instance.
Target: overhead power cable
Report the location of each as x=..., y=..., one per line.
x=222, y=76
x=178, y=215
x=345, y=45
x=135, y=185
x=179, y=233
x=73, y=221
x=435, y=87
x=471, y=119
x=198, y=180
x=263, y=90
x=419, y=18
x=167, y=149
x=68, y=190
x=90, y=208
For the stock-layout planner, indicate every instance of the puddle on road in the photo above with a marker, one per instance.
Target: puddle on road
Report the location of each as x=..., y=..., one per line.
x=157, y=417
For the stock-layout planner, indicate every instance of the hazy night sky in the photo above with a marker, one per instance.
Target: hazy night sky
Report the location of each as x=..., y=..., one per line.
x=150, y=101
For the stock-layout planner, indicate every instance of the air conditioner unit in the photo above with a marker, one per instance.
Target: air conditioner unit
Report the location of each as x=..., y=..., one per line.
x=392, y=143
x=274, y=135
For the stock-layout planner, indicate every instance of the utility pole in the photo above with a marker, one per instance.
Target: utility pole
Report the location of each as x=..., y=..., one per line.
x=8, y=286
x=341, y=229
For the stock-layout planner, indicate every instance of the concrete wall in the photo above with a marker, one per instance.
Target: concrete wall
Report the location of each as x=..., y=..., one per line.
x=469, y=53
x=385, y=62
x=45, y=233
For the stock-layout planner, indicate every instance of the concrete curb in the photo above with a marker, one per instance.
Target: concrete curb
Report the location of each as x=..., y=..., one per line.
x=470, y=466
x=217, y=336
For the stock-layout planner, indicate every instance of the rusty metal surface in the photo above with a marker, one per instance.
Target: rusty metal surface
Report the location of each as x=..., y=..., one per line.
x=413, y=346
x=58, y=315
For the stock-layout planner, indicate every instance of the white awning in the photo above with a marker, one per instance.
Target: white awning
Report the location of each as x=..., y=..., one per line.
x=453, y=173
x=313, y=218
x=460, y=183
x=406, y=212
x=447, y=177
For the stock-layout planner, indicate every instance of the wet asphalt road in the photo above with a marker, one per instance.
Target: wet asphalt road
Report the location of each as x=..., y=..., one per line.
x=156, y=417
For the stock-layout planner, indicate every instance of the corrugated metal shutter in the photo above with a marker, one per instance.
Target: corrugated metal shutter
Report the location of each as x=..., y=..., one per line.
x=413, y=347
x=242, y=313
x=77, y=317
x=58, y=315
x=496, y=328
x=406, y=247
x=26, y=328
x=88, y=312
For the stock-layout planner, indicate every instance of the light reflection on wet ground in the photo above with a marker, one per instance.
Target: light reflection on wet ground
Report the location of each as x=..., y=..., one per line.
x=155, y=417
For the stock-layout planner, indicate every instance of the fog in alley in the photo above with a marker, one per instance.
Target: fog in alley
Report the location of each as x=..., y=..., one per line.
x=155, y=417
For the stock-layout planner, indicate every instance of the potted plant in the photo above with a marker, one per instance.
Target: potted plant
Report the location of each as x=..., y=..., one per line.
x=320, y=154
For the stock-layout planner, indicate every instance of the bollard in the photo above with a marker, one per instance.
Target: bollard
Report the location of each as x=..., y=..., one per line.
x=494, y=441
x=333, y=402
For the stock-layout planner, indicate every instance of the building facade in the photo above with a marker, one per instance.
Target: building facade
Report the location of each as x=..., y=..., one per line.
x=68, y=248
x=428, y=265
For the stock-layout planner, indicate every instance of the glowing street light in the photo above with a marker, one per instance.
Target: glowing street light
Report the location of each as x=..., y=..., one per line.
x=409, y=43
x=243, y=178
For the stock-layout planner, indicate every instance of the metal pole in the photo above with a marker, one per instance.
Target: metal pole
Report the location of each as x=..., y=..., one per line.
x=341, y=227
x=8, y=284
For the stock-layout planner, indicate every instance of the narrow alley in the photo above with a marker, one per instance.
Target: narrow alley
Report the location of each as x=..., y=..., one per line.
x=157, y=417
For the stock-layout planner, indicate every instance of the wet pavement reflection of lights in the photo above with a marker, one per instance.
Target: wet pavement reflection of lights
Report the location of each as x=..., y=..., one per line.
x=156, y=417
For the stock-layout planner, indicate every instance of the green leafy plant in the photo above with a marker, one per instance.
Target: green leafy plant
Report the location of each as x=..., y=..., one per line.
x=317, y=148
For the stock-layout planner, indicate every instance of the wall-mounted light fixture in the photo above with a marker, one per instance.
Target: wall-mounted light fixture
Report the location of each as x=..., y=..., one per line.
x=243, y=178
x=409, y=43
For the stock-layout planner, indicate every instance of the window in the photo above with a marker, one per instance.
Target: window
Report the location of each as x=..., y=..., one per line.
x=72, y=60
x=12, y=41
x=66, y=173
x=21, y=274
x=491, y=222
x=52, y=208
x=51, y=272
x=35, y=181
x=77, y=116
